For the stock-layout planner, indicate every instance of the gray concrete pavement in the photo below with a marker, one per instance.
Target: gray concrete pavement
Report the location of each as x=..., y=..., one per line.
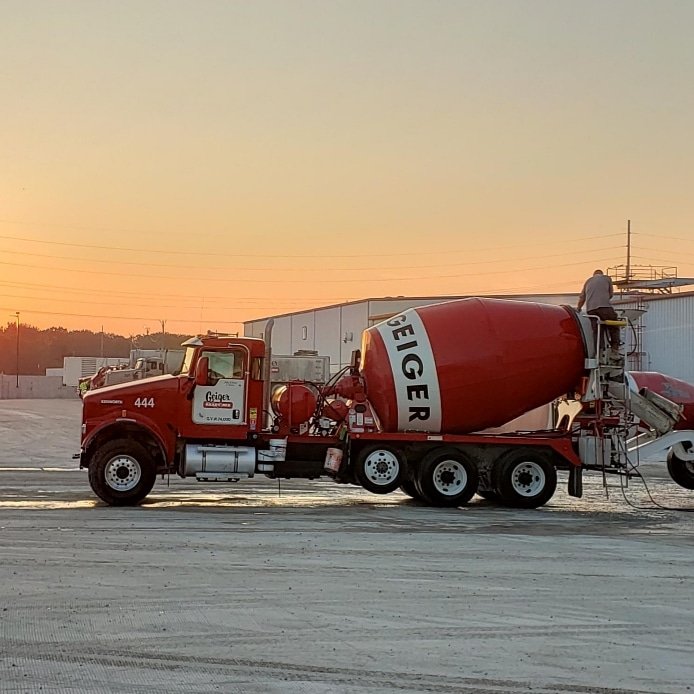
x=329, y=589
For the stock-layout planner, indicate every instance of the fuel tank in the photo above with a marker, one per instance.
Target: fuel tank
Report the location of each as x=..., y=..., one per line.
x=466, y=365
x=671, y=388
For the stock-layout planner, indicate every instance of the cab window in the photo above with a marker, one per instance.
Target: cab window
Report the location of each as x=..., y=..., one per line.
x=225, y=364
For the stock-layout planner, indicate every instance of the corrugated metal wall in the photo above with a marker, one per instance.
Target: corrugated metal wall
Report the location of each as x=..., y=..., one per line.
x=668, y=336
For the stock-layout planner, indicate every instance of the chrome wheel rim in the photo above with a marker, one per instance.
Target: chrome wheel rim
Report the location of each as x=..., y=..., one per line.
x=122, y=473
x=449, y=478
x=528, y=479
x=381, y=468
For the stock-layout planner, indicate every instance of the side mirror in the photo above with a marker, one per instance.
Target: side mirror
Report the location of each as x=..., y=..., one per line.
x=201, y=371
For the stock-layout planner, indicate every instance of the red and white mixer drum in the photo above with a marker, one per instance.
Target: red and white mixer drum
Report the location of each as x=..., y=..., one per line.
x=465, y=365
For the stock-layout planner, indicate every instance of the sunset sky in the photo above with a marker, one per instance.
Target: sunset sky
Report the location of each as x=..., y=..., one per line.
x=206, y=163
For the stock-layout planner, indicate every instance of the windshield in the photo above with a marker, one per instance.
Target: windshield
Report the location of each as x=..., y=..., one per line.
x=187, y=360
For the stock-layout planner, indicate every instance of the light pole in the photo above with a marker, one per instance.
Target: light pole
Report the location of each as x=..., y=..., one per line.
x=17, y=369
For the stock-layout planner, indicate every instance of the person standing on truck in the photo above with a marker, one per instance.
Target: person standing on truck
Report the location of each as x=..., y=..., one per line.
x=597, y=295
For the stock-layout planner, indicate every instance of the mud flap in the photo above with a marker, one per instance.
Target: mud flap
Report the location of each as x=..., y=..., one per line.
x=576, y=481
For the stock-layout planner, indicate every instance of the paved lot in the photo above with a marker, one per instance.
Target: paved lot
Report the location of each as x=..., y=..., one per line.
x=329, y=589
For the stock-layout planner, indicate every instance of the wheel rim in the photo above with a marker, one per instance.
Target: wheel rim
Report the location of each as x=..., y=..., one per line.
x=449, y=478
x=381, y=467
x=528, y=479
x=122, y=473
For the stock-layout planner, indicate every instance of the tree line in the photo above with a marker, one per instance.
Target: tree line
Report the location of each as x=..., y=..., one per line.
x=42, y=349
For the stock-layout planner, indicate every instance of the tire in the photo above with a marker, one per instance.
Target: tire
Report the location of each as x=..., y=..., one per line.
x=408, y=487
x=380, y=469
x=524, y=478
x=447, y=477
x=485, y=489
x=681, y=471
x=122, y=472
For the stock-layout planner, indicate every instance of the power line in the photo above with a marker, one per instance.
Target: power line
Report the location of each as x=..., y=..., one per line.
x=92, y=291
x=678, y=251
x=270, y=303
x=137, y=318
x=323, y=280
x=148, y=305
x=649, y=260
x=226, y=322
x=662, y=236
x=111, y=262
x=161, y=251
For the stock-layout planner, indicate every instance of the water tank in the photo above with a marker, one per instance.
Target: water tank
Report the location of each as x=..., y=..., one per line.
x=294, y=402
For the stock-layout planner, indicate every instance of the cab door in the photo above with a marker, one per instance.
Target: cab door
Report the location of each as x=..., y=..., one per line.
x=222, y=402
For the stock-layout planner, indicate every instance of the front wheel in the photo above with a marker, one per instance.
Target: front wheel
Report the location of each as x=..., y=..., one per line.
x=525, y=478
x=380, y=469
x=122, y=472
x=447, y=477
x=681, y=471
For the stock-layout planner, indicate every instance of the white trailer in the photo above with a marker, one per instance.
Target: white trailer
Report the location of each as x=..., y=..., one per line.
x=75, y=368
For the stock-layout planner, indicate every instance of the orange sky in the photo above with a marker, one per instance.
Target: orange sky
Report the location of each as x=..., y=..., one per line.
x=210, y=163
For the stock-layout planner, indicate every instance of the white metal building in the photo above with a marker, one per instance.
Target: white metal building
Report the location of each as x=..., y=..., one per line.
x=661, y=340
x=335, y=331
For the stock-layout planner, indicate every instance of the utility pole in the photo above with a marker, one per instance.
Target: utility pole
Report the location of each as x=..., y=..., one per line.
x=17, y=369
x=163, y=334
x=628, y=272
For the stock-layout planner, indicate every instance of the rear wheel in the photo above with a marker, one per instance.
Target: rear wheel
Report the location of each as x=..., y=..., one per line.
x=681, y=471
x=410, y=488
x=380, y=469
x=485, y=489
x=122, y=472
x=447, y=477
x=525, y=478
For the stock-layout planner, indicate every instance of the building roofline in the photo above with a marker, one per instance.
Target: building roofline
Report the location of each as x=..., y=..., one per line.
x=652, y=297
x=436, y=298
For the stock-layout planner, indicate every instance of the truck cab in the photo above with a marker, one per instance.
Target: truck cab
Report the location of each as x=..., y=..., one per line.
x=225, y=377
x=203, y=421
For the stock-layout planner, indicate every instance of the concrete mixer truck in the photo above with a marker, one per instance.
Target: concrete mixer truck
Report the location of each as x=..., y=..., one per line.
x=409, y=413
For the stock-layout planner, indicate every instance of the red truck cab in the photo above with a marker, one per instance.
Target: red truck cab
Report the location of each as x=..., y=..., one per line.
x=133, y=431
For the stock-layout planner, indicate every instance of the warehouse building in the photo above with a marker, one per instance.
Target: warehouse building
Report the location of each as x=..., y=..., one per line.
x=335, y=331
x=660, y=338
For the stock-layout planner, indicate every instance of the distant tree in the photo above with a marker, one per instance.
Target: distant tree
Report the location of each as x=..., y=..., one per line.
x=43, y=349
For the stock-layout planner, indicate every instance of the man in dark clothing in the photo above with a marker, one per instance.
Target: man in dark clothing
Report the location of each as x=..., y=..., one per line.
x=596, y=295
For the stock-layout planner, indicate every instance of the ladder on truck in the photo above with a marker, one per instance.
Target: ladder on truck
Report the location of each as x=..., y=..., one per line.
x=624, y=424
